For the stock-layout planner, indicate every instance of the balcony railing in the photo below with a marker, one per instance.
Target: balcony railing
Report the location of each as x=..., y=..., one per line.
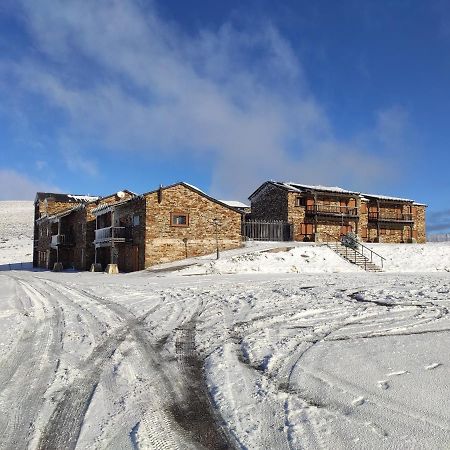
x=118, y=234
x=332, y=210
x=61, y=239
x=390, y=217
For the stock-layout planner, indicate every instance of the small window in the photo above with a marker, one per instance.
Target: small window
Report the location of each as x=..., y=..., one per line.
x=179, y=220
x=135, y=220
x=300, y=201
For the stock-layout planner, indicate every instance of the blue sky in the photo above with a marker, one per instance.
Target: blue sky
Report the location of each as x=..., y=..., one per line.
x=100, y=96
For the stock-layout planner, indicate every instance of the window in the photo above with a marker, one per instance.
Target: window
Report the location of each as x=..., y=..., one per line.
x=179, y=220
x=300, y=201
x=136, y=220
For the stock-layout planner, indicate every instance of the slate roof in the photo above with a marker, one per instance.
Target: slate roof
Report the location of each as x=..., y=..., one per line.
x=66, y=198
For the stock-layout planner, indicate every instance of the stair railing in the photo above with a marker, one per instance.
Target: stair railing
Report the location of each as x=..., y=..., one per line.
x=356, y=250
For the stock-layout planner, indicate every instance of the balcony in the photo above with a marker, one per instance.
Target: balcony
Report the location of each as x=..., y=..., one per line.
x=332, y=210
x=105, y=236
x=60, y=240
x=390, y=217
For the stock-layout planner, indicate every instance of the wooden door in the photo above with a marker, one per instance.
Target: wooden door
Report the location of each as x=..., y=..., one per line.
x=345, y=229
x=122, y=260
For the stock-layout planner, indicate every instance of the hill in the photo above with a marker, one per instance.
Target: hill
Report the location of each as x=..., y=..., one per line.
x=16, y=232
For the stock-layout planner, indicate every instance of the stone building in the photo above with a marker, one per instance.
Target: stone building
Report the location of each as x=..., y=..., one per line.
x=164, y=225
x=318, y=213
x=64, y=228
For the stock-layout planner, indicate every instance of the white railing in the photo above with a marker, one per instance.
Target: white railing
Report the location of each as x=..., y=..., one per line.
x=109, y=233
x=59, y=239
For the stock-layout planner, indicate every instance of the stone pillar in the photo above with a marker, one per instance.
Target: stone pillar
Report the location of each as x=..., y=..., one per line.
x=57, y=267
x=378, y=221
x=96, y=267
x=112, y=269
x=358, y=212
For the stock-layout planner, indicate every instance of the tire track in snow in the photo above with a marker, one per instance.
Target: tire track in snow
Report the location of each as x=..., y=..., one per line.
x=162, y=430
x=65, y=423
x=196, y=414
x=36, y=363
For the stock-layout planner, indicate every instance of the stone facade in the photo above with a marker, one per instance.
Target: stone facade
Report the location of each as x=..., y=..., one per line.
x=168, y=241
x=166, y=225
x=393, y=221
x=128, y=254
x=77, y=228
x=271, y=203
x=320, y=213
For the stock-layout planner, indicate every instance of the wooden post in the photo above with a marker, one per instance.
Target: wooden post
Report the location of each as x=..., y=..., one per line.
x=315, y=213
x=112, y=237
x=378, y=220
x=57, y=240
x=95, y=245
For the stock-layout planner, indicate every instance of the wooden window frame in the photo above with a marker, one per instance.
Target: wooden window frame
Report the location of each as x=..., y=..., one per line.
x=177, y=214
x=300, y=201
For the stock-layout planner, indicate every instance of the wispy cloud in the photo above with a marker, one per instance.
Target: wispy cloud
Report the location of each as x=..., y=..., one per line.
x=17, y=186
x=133, y=81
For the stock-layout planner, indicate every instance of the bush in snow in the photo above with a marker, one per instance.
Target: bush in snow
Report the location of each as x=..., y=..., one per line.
x=350, y=240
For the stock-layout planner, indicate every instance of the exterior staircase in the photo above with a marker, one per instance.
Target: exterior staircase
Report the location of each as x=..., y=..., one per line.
x=356, y=257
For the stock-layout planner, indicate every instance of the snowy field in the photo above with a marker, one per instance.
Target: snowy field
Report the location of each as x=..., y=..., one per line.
x=16, y=236
x=247, y=352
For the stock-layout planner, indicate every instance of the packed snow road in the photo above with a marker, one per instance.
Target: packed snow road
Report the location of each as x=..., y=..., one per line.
x=326, y=361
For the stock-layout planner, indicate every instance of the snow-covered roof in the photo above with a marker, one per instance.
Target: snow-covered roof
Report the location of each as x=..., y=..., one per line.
x=297, y=187
x=83, y=198
x=106, y=207
x=389, y=198
x=234, y=203
x=56, y=217
x=336, y=189
x=194, y=187
x=65, y=198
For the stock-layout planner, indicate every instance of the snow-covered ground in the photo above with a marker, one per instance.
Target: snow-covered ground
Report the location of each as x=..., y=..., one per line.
x=16, y=233
x=430, y=257
x=244, y=352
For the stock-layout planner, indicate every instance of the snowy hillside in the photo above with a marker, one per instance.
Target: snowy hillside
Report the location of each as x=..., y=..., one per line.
x=430, y=257
x=312, y=258
x=16, y=232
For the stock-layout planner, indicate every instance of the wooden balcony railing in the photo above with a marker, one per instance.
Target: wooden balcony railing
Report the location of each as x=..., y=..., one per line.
x=118, y=234
x=331, y=210
x=61, y=239
x=390, y=217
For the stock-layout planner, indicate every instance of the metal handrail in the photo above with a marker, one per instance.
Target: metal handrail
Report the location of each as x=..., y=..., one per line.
x=335, y=239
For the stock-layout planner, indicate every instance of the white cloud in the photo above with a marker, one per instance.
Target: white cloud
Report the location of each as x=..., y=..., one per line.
x=17, y=186
x=391, y=127
x=236, y=95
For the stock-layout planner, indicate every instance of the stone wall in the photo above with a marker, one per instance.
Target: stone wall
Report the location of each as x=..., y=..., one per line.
x=131, y=254
x=295, y=216
x=43, y=256
x=392, y=232
x=363, y=226
x=46, y=207
x=103, y=255
x=165, y=242
x=419, y=230
x=270, y=203
x=304, y=225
